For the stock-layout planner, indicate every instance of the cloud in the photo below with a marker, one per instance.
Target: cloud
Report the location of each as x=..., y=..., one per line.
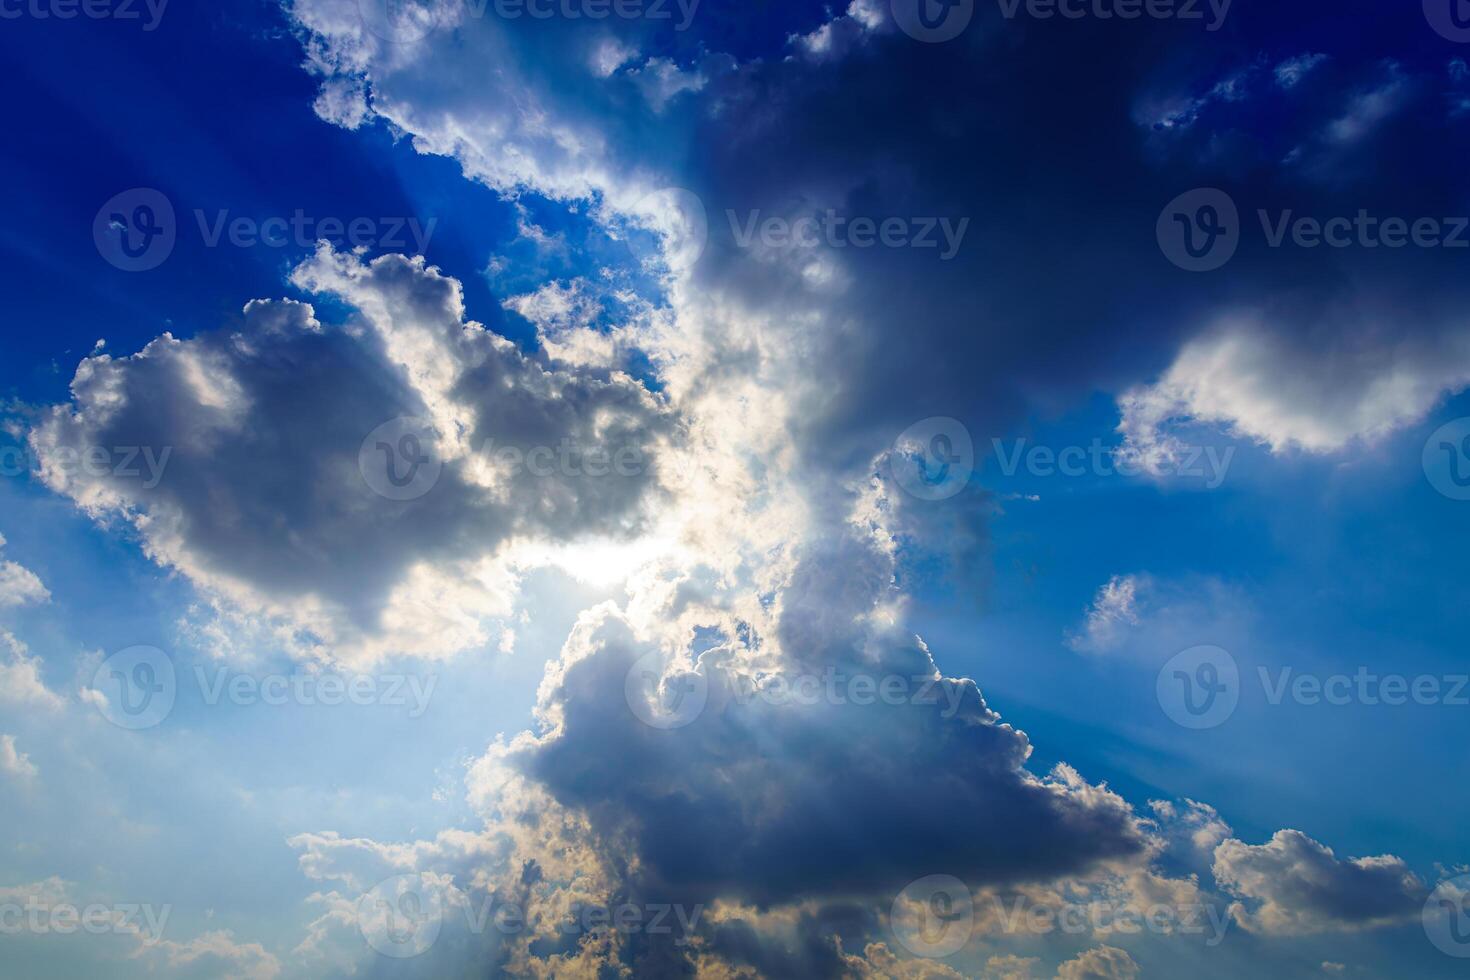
x=19, y=586
x=1100, y=963
x=1321, y=398
x=1112, y=612
x=14, y=762
x=20, y=677
x=263, y=495
x=1292, y=885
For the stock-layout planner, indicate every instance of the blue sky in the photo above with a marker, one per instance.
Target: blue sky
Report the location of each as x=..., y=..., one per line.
x=925, y=366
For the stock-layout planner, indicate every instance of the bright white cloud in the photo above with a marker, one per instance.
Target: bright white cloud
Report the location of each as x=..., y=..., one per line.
x=1258, y=385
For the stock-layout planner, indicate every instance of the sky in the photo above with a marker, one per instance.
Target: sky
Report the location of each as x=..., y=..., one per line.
x=674, y=488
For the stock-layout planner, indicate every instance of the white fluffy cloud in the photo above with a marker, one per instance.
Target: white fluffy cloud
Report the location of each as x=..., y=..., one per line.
x=1292, y=885
x=1259, y=385
x=19, y=586
x=260, y=497
x=14, y=762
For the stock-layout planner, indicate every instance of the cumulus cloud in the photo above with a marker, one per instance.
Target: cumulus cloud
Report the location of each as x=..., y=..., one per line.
x=19, y=586
x=1261, y=385
x=1114, y=609
x=263, y=495
x=1100, y=963
x=14, y=762
x=1292, y=885
x=20, y=676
